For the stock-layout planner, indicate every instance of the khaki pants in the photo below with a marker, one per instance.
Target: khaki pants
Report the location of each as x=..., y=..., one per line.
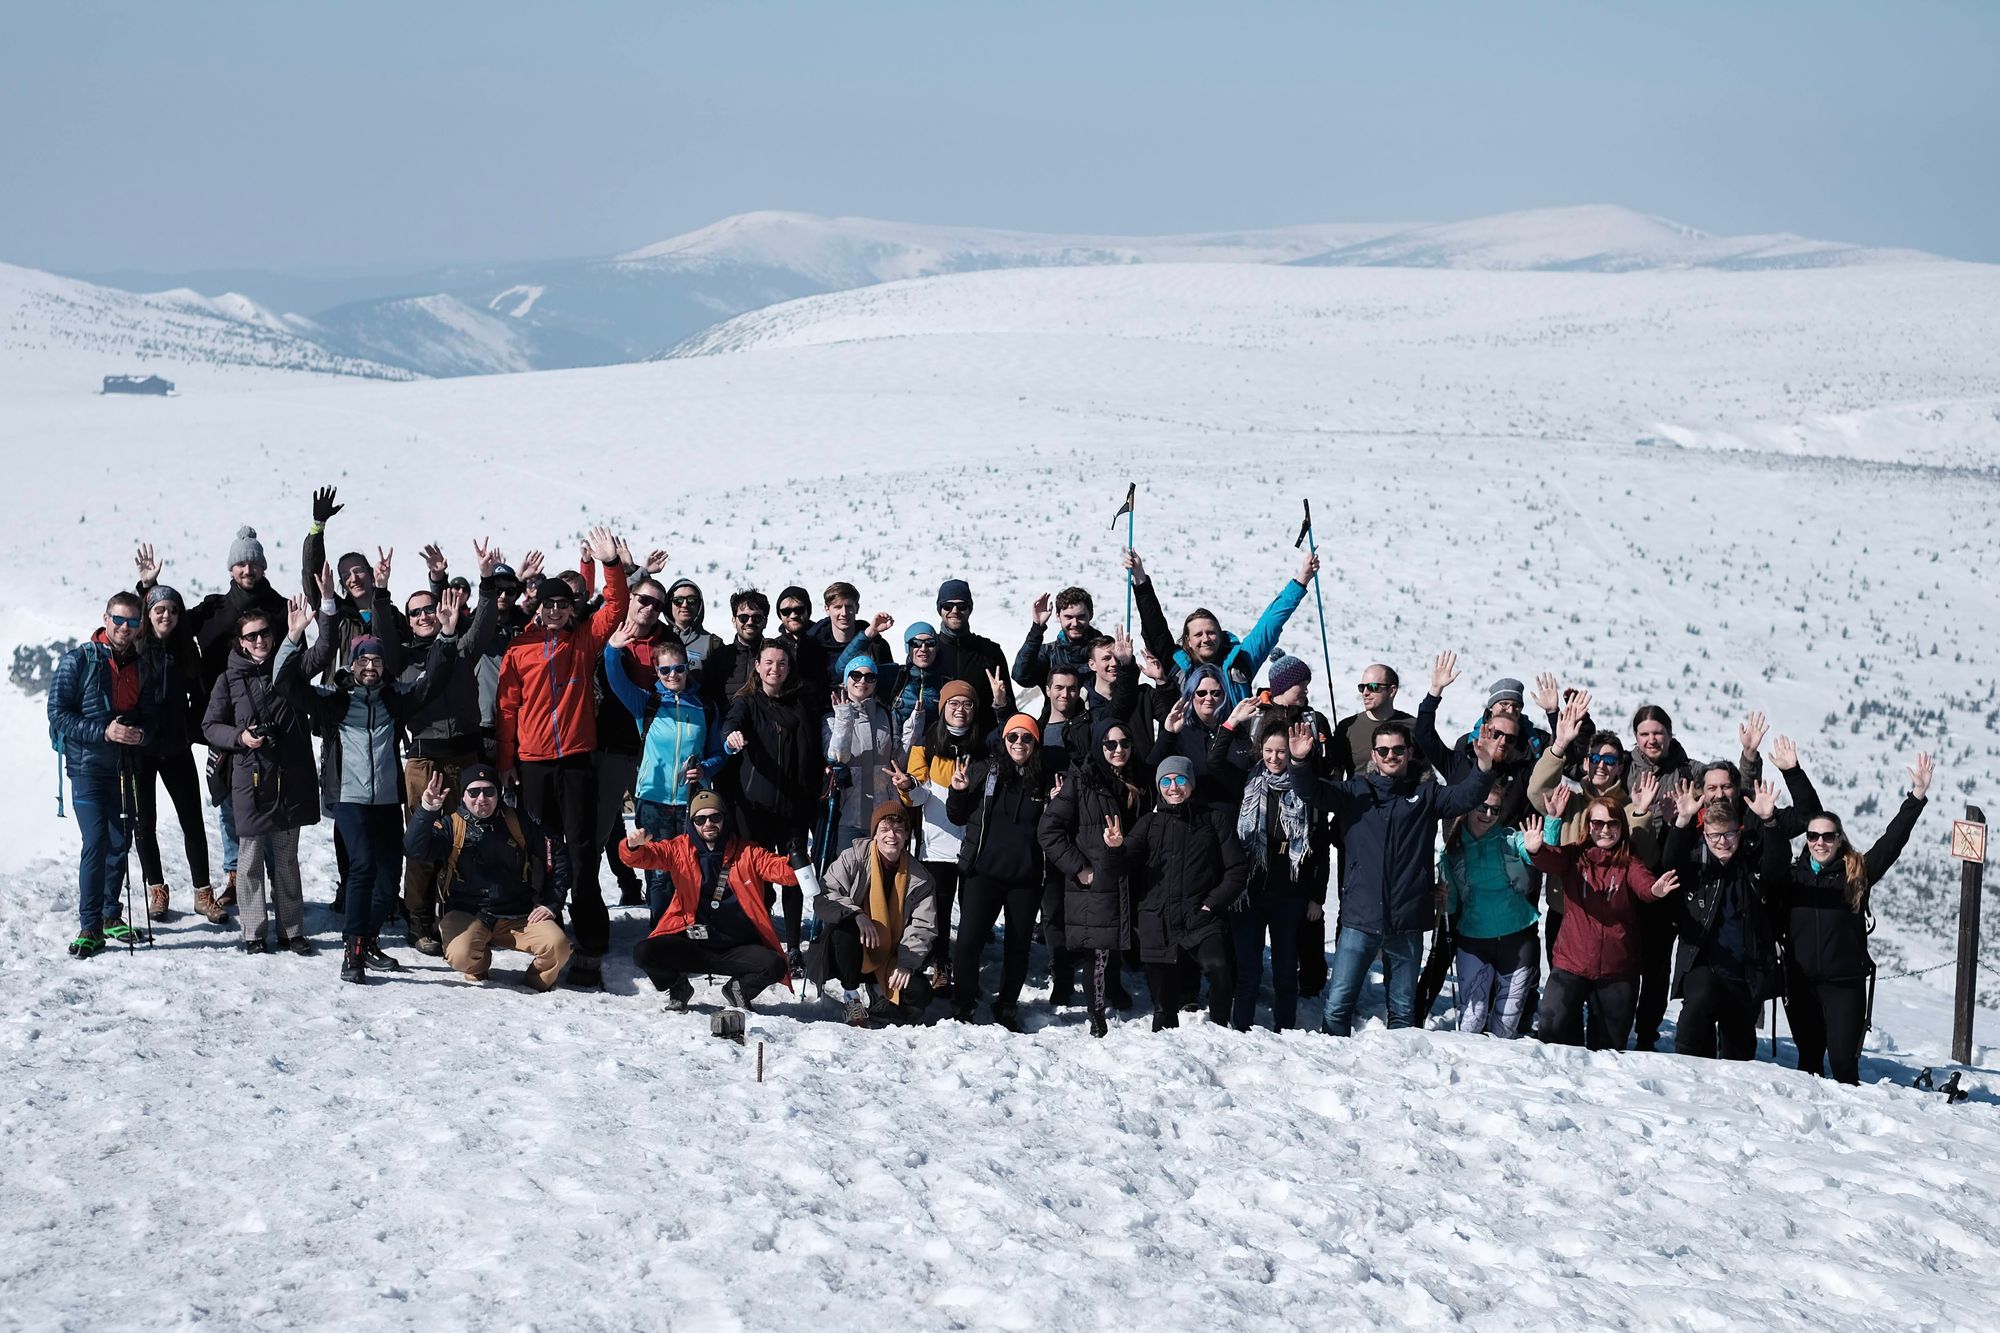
x=420, y=877
x=469, y=945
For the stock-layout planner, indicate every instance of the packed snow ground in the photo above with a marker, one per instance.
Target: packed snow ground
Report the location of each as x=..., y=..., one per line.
x=198, y=1136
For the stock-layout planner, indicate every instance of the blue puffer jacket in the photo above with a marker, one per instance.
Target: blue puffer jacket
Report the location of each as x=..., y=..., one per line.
x=1245, y=656
x=677, y=732
x=80, y=708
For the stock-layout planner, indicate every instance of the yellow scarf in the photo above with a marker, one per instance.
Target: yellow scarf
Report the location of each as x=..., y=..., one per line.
x=885, y=909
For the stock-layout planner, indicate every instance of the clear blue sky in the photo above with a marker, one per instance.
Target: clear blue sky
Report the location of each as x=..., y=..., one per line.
x=323, y=135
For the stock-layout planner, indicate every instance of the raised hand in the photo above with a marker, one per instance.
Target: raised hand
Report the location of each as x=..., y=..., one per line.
x=1531, y=834
x=1920, y=775
x=1114, y=835
x=879, y=624
x=1057, y=789
x=1150, y=668
x=638, y=837
x=1687, y=802
x=531, y=567
x=1765, y=803
x=435, y=791
x=584, y=554
x=1299, y=740
x=603, y=544
x=1558, y=799
x=1308, y=568
x=1245, y=710
x=1044, y=607
x=488, y=555
x=451, y=605
x=1645, y=790
x=325, y=580
x=323, y=506
x=434, y=560
x=1176, y=717
x=996, y=680
x=1548, y=692
x=1569, y=724
x=1444, y=670
x=625, y=559
x=149, y=568
x=1784, y=754
x=297, y=616
x=1121, y=644
x=622, y=636
x=384, y=558
x=1751, y=733
x=899, y=779
x=1133, y=564
x=655, y=562
x=1666, y=884
x=961, y=775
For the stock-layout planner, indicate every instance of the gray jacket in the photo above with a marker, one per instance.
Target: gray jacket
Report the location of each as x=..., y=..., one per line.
x=360, y=758
x=844, y=893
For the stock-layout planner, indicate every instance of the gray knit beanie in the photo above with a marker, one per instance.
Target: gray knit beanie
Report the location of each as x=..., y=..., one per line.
x=247, y=550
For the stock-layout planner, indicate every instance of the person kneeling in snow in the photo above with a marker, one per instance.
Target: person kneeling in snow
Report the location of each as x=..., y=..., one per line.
x=718, y=920
x=878, y=915
x=494, y=882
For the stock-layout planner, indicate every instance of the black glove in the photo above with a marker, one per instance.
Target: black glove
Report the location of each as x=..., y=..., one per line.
x=323, y=506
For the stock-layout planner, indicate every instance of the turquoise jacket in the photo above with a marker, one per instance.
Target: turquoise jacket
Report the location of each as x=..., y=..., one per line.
x=1487, y=883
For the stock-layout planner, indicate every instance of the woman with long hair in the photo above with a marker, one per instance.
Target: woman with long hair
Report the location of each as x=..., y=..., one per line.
x=1490, y=894
x=1274, y=824
x=1096, y=800
x=1823, y=896
x=168, y=757
x=998, y=802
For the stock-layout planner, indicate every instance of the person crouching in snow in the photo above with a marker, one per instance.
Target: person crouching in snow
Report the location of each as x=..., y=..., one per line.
x=718, y=919
x=493, y=881
x=878, y=909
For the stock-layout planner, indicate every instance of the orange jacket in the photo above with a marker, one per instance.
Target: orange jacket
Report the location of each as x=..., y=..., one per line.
x=749, y=867
x=548, y=684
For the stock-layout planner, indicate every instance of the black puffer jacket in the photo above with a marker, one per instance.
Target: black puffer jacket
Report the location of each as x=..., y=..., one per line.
x=1097, y=915
x=1825, y=938
x=1186, y=869
x=1723, y=913
x=275, y=786
x=1002, y=816
x=773, y=786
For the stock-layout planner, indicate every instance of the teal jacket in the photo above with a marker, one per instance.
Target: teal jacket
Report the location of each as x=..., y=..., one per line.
x=1487, y=885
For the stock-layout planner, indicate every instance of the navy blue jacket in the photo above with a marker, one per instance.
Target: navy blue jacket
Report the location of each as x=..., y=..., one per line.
x=80, y=708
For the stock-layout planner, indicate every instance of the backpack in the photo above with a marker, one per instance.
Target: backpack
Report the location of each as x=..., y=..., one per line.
x=532, y=868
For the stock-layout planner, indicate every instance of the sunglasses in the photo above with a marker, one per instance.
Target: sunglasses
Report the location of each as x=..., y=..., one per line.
x=1828, y=836
x=1605, y=760
x=792, y=612
x=253, y=635
x=708, y=817
x=917, y=643
x=1602, y=823
x=862, y=675
x=671, y=669
x=1175, y=780
x=1504, y=737
x=481, y=793
x=125, y=622
x=686, y=600
x=1391, y=751
x=1372, y=686
x=1117, y=745
x=1208, y=694
x=750, y=618
x=651, y=602
x=428, y=611
x=1020, y=738
x=1490, y=811
x=954, y=606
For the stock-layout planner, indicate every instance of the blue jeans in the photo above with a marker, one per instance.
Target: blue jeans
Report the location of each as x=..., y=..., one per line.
x=662, y=821
x=1402, y=959
x=374, y=838
x=100, y=874
x=225, y=819
x=1279, y=916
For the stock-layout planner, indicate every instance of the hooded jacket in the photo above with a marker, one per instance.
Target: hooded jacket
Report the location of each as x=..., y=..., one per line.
x=1825, y=938
x=774, y=784
x=548, y=705
x=749, y=871
x=1097, y=915
x=1487, y=886
x=676, y=732
x=861, y=737
x=86, y=695
x=274, y=787
x=1002, y=816
x=360, y=757
x=1241, y=658
x=1186, y=869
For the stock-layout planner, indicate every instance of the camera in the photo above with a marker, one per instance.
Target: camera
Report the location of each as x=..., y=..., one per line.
x=260, y=731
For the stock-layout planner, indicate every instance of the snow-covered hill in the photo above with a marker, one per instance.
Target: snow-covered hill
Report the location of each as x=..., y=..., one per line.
x=63, y=335
x=1601, y=238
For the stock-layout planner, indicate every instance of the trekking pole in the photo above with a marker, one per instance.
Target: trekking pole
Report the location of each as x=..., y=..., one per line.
x=59, y=787
x=128, y=797
x=1125, y=512
x=1311, y=543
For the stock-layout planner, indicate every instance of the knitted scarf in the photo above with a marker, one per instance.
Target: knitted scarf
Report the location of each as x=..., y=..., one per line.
x=885, y=909
x=1292, y=818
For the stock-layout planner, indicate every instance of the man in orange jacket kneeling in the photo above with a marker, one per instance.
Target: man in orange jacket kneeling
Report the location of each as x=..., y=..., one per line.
x=718, y=921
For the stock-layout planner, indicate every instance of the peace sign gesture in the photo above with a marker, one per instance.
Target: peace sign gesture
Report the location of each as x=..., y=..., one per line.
x=997, y=679
x=435, y=791
x=1114, y=834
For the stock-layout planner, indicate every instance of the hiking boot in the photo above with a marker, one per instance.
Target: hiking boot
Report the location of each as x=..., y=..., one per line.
x=733, y=996
x=941, y=981
x=120, y=933
x=87, y=944
x=210, y=909
x=1008, y=1017
x=796, y=961
x=631, y=896
x=428, y=946
x=156, y=903
x=297, y=944
x=961, y=1011
x=1062, y=993
x=679, y=992
x=585, y=973
x=1098, y=1027
x=227, y=901
x=354, y=962
x=377, y=959
x=255, y=944
x=857, y=1013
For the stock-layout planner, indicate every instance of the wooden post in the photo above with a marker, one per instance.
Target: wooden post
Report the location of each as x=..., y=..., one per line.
x=760, y=1062
x=1965, y=999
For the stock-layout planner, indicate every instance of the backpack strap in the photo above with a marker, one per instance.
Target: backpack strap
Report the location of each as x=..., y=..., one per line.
x=532, y=869
x=450, y=875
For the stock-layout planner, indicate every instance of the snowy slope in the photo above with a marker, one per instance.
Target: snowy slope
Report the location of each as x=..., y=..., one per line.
x=420, y=1153
x=1601, y=238
x=64, y=335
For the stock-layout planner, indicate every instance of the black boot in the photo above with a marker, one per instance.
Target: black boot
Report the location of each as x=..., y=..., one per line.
x=354, y=962
x=1007, y=1016
x=377, y=959
x=585, y=973
x=1098, y=1027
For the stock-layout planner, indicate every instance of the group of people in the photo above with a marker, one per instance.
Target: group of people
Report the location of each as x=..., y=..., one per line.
x=486, y=744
